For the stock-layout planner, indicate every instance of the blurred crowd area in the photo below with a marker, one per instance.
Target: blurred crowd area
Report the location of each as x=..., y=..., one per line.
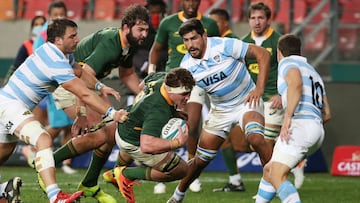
x=321, y=45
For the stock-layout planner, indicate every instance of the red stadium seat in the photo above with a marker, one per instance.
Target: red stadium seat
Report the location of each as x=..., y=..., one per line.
x=35, y=7
x=236, y=6
x=7, y=9
x=205, y=5
x=323, y=13
x=350, y=11
x=237, y=10
x=348, y=39
x=104, y=9
x=76, y=9
x=123, y=4
x=284, y=10
x=318, y=42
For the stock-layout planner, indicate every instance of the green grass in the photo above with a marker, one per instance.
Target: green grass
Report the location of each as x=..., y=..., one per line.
x=318, y=188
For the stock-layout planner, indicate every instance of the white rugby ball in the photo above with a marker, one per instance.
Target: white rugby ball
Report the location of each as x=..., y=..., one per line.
x=170, y=130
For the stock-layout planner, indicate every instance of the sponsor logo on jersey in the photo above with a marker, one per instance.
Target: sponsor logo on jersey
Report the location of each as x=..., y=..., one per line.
x=212, y=79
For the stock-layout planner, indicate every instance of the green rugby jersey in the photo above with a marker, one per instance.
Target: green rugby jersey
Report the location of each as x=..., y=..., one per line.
x=149, y=113
x=168, y=36
x=104, y=51
x=270, y=44
x=230, y=34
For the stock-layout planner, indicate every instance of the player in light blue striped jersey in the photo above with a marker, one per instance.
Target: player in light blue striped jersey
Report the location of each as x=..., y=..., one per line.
x=218, y=67
x=306, y=109
x=49, y=66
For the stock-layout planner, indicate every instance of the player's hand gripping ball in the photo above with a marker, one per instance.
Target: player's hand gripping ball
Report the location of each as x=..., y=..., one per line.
x=170, y=130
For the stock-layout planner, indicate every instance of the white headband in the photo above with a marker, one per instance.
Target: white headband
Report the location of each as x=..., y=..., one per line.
x=179, y=90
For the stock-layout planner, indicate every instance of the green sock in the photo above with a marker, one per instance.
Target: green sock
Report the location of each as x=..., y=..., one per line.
x=229, y=156
x=65, y=152
x=98, y=161
x=137, y=173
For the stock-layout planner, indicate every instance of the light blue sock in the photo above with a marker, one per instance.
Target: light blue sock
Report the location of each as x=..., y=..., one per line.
x=266, y=192
x=288, y=193
x=52, y=191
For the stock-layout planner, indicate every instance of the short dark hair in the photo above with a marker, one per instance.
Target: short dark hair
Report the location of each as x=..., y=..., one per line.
x=289, y=44
x=57, y=28
x=57, y=4
x=177, y=77
x=222, y=13
x=35, y=18
x=191, y=25
x=133, y=14
x=260, y=6
x=156, y=2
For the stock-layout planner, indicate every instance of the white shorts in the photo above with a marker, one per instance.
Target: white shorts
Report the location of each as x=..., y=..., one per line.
x=136, y=153
x=13, y=113
x=221, y=121
x=306, y=137
x=273, y=116
x=63, y=98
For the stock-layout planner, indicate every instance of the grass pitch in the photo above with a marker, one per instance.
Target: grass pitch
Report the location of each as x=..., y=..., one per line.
x=317, y=188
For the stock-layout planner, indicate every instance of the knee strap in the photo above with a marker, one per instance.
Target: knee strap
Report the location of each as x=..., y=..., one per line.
x=206, y=154
x=271, y=133
x=44, y=159
x=254, y=128
x=171, y=163
x=31, y=132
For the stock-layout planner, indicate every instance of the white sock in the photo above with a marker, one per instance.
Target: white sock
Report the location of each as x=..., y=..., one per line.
x=2, y=188
x=52, y=192
x=235, y=179
x=178, y=195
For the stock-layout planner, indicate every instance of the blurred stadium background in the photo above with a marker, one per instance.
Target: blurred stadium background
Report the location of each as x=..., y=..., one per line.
x=329, y=28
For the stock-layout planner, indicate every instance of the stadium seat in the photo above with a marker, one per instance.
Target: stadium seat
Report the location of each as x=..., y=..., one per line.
x=318, y=42
x=123, y=4
x=205, y=5
x=35, y=7
x=237, y=10
x=76, y=9
x=284, y=13
x=350, y=11
x=7, y=10
x=348, y=39
x=323, y=13
x=104, y=9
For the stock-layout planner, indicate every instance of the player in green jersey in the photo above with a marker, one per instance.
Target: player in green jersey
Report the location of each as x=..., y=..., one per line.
x=140, y=139
x=99, y=53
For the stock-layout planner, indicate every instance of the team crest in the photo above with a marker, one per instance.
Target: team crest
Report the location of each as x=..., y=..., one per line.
x=217, y=58
x=27, y=113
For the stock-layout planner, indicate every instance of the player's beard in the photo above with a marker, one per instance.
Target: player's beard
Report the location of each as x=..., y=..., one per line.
x=134, y=42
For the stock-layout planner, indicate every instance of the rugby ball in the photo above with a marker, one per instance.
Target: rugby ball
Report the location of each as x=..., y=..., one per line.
x=170, y=130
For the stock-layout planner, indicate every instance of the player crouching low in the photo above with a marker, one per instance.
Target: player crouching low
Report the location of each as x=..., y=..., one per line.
x=139, y=138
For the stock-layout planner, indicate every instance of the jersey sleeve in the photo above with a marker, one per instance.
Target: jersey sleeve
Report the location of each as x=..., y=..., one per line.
x=235, y=48
x=161, y=35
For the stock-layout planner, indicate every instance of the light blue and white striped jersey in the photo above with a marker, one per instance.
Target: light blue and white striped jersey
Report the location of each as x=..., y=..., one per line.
x=40, y=73
x=311, y=101
x=222, y=72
